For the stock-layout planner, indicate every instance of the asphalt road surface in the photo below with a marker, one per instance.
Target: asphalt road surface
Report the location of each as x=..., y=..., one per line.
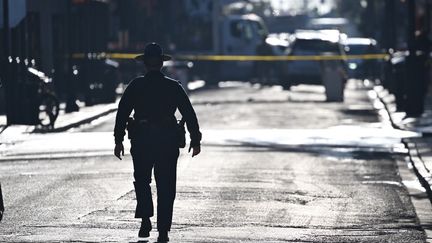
x=276, y=166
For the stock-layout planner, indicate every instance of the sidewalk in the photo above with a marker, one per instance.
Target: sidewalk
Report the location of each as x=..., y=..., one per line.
x=65, y=121
x=420, y=148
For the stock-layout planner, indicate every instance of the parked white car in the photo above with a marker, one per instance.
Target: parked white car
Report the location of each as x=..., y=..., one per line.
x=311, y=43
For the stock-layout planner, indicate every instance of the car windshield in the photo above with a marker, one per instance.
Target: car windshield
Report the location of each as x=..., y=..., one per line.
x=358, y=49
x=317, y=46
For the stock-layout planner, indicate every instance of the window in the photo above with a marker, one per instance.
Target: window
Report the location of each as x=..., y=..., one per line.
x=261, y=29
x=236, y=28
x=317, y=46
x=248, y=30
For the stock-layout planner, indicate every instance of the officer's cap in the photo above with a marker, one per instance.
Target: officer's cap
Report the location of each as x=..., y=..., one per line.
x=153, y=51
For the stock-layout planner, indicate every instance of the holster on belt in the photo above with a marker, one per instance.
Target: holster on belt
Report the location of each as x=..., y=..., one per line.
x=131, y=127
x=181, y=133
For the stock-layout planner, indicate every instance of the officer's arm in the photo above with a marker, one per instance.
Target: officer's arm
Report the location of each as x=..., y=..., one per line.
x=186, y=109
x=124, y=109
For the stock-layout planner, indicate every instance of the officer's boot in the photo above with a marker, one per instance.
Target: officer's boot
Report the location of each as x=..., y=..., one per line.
x=144, y=208
x=145, y=228
x=163, y=236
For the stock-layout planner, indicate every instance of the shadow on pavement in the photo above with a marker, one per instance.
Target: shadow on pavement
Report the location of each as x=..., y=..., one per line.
x=147, y=241
x=359, y=112
x=250, y=101
x=337, y=151
x=295, y=101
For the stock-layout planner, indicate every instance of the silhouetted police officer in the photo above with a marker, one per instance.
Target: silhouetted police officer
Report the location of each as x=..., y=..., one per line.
x=154, y=139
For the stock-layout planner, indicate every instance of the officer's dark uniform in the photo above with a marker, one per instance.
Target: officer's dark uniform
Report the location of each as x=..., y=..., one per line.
x=155, y=98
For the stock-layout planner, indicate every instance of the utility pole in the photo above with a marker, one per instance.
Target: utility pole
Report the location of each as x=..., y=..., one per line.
x=71, y=105
x=411, y=26
x=428, y=17
x=389, y=42
x=415, y=71
x=411, y=76
x=390, y=24
x=216, y=8
x=6, y=79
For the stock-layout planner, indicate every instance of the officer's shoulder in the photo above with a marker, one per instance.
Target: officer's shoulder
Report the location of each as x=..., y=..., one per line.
x=131, y=86
x=135, y=80
x=172, y=81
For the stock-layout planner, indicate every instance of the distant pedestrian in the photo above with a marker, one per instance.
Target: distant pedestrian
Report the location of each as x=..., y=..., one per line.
x=264, y=69
x=155, y=137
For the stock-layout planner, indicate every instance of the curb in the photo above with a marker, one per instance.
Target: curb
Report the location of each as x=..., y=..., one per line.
x=419, y=167
x=379, y=90
x=77, y=124
x=92, y=118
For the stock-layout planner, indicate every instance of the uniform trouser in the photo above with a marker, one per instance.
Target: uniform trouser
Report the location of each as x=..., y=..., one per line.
x=162, y=157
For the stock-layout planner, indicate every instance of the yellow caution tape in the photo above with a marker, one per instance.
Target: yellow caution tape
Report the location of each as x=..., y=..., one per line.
x=122, y=55
x=239, y=57
x=78, y=55
x=279, y=58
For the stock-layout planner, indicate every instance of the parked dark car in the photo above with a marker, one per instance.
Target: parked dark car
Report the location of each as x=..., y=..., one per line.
x=32, y=98
x=98, y=80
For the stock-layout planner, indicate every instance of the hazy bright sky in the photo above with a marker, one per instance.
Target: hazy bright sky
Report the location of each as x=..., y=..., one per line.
x=295, y=6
